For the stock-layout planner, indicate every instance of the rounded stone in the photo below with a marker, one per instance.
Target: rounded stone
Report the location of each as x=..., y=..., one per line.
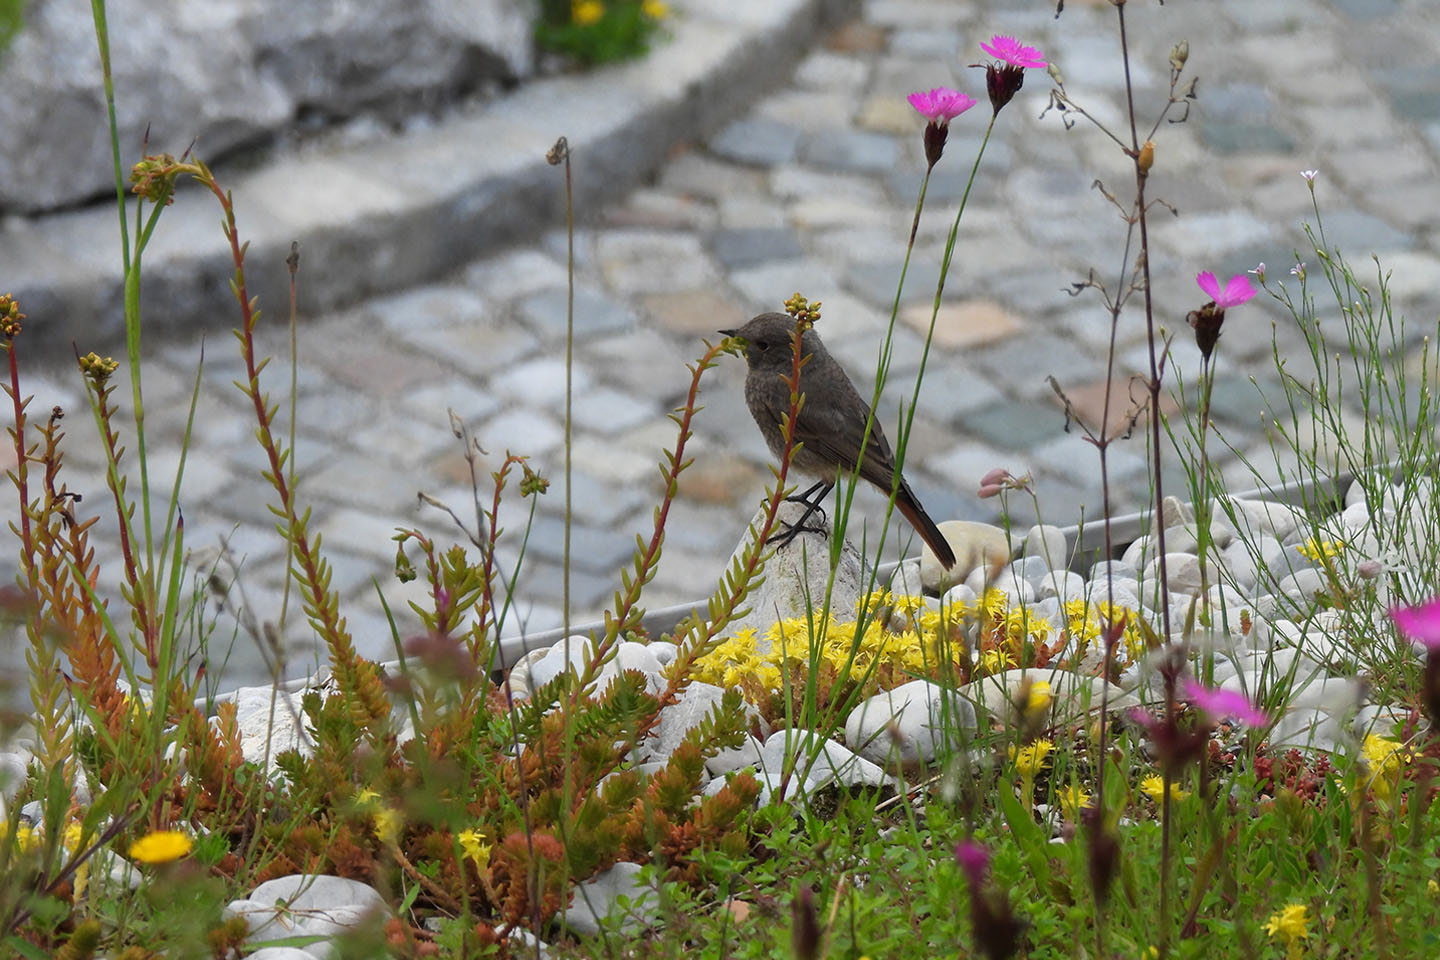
x=977, y=546
x=1047, y=541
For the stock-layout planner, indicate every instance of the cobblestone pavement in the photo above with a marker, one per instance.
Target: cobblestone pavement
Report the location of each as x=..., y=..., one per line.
x=813, y=189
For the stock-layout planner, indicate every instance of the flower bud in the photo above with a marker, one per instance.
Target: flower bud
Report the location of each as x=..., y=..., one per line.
x=1179, y=54
x=935, y=136
x=1147, y=157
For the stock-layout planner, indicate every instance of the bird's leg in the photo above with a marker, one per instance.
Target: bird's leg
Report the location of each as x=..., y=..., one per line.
x=812, y=499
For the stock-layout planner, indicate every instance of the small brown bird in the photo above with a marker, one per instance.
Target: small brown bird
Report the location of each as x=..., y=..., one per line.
x=831, y=423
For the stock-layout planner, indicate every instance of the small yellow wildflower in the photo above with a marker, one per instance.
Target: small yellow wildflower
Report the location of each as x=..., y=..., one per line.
x=993, y=661
x=161, y=846
x=1072, y=800
x=25, y=838
x=909, y=604
x=387, y=825
x=655, y=9
x=1039, y=698
x=1153, y=787
x=1289, y=925
x=73, y=837
x=1030, y=759
x=586, y=12
x=1383, y=759
x=367, y=797
x=1316, y=550
x=995, y=602
x=475, y=847
x=1432, y=888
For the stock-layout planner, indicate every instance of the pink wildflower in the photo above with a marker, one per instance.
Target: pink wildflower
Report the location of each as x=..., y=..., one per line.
x=1236, y=292
x=1224, y=703
x=1013, y=52
x=1420, y=623
x=974, y=859
x=940, y=105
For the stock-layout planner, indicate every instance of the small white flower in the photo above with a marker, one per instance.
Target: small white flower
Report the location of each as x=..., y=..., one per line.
x=1298, y=270
x=1309, y=175
x=1259, y=271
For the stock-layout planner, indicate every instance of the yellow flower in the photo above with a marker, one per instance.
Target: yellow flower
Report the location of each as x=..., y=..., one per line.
x=655, y=9
x=1072, y=801
x=993, y=661
x=995, y=602
x=586, y=12
x=161, y=846
x=1316, y=549
x=1432, y=888
x=387, y=825
x=1289, y=925
x=1030, y=759
x=25, y=838
x=475, y=847
x=1153, y=787
x=1383, y=759
x=1038, y=699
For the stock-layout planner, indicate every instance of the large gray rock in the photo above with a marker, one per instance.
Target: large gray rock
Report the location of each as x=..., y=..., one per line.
x=229, y=73
x=796, y=574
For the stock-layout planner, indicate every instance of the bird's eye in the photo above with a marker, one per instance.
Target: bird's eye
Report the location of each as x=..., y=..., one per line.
x=763, y=345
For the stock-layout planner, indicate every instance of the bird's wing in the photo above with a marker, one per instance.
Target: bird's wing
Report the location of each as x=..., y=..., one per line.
x=833, y=431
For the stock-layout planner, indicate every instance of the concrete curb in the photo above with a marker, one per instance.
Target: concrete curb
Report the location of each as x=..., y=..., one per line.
x=402, y=212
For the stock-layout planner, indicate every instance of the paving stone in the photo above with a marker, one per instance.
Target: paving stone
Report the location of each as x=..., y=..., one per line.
x=1412, y=92
x=643, y=261
x=1034, y=358
x=605, y=410
x=1356, y=233
x=595, y=313
x=826, y=70
x=878, y=281
x=662, y=210
x=925, y=43
x=767, y=286
x=791, y=182
x=808, y=110
x=645, y=362
x=857, y=36
x=749, y=212
x=515, y=273
x=702, y=175
x=890, y=115
x=757, y=141
x=599, y=551
x=695, y=313
x=850, y=150
x=521, y=431
x=596, y=502
x=477, y=349
x=748, y=247
x=541, y=382
x=1407, y=205
x=1367, y=9
x=966, y=323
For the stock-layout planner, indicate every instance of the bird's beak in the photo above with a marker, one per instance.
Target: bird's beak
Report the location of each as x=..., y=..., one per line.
x=729, y=333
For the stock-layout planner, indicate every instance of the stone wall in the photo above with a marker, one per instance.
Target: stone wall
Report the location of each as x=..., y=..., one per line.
x=225, y=74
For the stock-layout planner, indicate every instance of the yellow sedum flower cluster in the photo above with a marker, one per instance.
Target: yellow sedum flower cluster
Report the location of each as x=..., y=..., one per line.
x=1316, y=550
x=906, y=636
x=1383, y=760
x=1290, y=926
